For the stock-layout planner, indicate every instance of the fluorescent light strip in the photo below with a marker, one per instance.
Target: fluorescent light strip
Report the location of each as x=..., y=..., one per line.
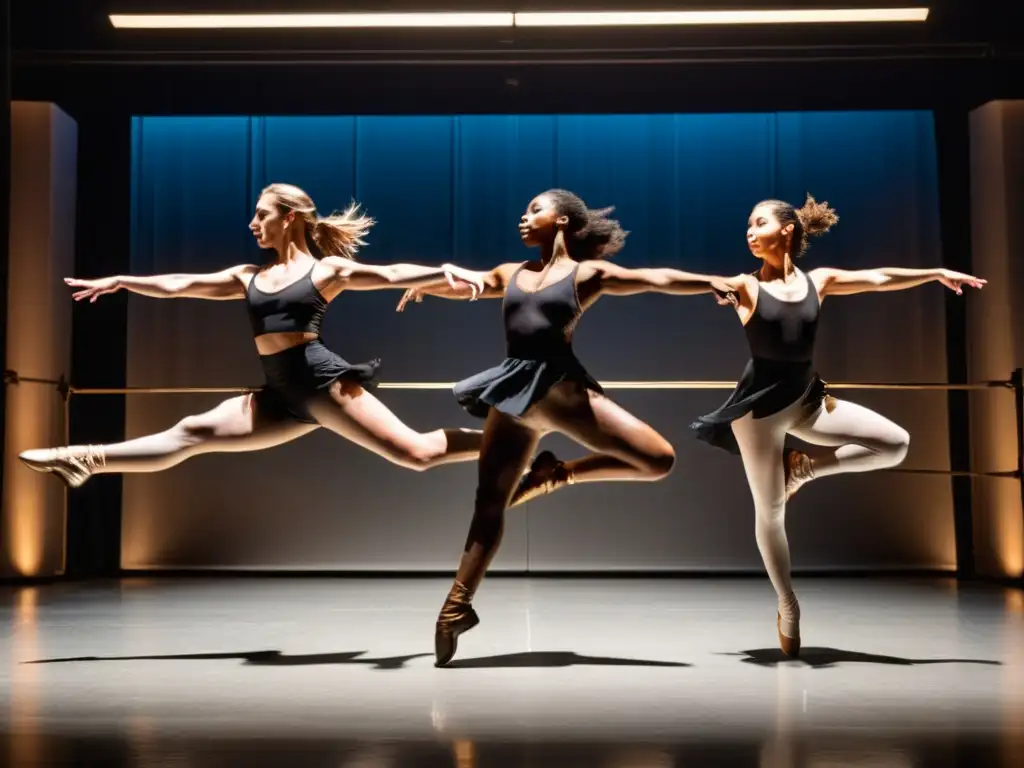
x=529, y=19
x=308, y=20
x=679, y=18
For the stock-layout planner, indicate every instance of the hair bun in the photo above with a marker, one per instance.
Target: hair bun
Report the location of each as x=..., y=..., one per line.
x=816, y=218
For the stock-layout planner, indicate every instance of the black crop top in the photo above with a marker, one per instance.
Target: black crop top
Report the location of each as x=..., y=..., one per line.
x=784, y=330
x=539, y=324
x=296, y=307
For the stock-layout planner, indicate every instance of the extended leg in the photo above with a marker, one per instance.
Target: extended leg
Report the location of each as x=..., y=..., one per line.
x=761, y=444
x=626, y=448
x=235, y=425
x=355, y=414
x=507, y=447
x=853, y=439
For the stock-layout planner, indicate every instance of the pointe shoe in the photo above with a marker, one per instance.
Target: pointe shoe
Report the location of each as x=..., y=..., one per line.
x=545, y=474
x=446, y=636
x=790, y=645
x=798, y=470
x=72, y=465
x=457, y=616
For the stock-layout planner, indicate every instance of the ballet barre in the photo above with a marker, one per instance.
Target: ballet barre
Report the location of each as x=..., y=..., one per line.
x=1015, y=384
x=639, y=385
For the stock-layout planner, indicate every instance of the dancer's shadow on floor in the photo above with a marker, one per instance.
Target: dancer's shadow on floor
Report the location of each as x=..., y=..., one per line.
x=823, y=658
x=259, y=659
x=553, y=659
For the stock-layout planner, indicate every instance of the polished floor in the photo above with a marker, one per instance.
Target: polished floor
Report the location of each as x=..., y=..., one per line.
x=630, y=673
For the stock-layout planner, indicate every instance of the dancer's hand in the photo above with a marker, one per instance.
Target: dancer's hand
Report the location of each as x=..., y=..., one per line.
x=459, y=279
x=92, y=289
x=956, y=280
x=724, y=293
x=413, y=294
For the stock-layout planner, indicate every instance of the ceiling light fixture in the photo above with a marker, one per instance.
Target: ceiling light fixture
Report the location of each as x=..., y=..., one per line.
x=701, y=18
x=308, y=20
x=508, y=19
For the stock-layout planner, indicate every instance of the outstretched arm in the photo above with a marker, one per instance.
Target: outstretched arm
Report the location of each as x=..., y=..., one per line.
x=613, y=280
x=218, y=286
x=373, y=277
x=492, y=283
x=843, y=282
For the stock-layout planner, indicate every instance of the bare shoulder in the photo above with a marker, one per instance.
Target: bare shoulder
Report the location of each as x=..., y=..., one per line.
x=744, y=282
x=821, y=274
x=505, y=271
x=820, y=277
x=591, y=279
x=338, y=263
x=592, y=268
x=509, y=267
x=243, y=273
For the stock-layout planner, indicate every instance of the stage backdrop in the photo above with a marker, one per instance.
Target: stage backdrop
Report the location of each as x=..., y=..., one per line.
x=452, y=188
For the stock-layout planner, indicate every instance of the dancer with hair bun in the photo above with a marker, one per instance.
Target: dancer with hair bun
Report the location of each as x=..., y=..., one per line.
x=780, y=393
x=307, y=385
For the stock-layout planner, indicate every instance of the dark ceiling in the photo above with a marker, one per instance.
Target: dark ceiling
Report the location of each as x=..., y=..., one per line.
x=69, y=52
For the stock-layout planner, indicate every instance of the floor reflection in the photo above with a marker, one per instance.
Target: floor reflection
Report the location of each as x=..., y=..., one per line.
x=659, y=674
x=30, y=747
x=143, y=748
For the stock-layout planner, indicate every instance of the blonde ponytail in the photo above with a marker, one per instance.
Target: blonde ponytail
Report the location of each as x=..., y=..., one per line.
x=341, y=234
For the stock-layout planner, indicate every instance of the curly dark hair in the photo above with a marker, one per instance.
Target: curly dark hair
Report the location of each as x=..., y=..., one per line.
x=813, y=218
x=590, y=234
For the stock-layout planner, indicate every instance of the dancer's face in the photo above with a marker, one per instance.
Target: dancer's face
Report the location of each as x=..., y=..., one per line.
x=541, y=221
x=766, y=237
x=269, y=226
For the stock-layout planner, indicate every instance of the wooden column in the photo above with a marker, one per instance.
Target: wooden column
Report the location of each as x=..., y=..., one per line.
x=996, y=330
x=41, y=253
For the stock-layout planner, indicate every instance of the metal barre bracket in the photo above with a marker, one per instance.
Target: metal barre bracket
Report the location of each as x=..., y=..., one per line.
x=63, y=386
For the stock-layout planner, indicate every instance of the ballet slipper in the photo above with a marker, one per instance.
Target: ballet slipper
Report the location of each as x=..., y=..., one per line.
x=73, y=465
x=545, y=474
x=798, y=471
x=790, y=645
x=457, y=616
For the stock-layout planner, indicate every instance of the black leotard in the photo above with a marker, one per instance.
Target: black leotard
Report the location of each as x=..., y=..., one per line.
x=539, y=324
x=296, y=374
x=784, y=330
x=298, y=307
x=781, y=336
x=538, y=344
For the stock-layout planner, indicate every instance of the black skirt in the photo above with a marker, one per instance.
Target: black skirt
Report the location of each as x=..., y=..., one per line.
x=298, y=373
x=766, y=387
x=516, y=385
